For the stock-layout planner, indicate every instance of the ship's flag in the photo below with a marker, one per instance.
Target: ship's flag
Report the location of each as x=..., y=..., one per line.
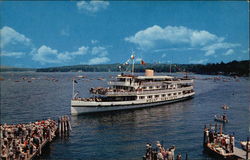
x=143, y=62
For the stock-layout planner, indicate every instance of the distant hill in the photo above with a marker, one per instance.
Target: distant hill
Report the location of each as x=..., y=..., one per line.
x=14, y=69
x=239, y=68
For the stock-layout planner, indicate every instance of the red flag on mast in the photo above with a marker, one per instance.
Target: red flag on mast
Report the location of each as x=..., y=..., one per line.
x=142, y=62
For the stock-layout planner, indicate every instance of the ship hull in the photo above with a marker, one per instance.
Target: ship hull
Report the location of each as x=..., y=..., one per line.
x=81, y=107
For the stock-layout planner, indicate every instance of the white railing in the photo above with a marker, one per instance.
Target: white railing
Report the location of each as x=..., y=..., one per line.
x=134, y=93
x=142, y=84
x=112, y=83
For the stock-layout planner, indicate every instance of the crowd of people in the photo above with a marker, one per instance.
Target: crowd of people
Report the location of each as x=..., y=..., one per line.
x=160, y=153
x=22, y=141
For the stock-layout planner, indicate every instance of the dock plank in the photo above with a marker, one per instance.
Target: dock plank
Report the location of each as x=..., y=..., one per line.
x=240, y=153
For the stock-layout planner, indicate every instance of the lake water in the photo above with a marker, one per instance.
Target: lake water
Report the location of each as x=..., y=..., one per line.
x=124, y=134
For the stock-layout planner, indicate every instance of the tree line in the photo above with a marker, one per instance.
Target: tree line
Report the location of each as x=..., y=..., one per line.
x=239, y=68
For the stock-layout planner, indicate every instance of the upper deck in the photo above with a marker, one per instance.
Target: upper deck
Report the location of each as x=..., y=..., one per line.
x=136, y=81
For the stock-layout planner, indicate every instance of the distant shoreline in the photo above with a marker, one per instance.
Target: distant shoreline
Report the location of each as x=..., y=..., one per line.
x=234, y=68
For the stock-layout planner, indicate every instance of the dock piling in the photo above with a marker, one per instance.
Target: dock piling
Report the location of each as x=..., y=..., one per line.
x=59, y=126
x=247, y=156
x=64, y=125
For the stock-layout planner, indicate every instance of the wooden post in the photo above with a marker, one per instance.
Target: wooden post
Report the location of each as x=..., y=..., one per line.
x=221, y=129
x=59, y=126
x=69, y=124
x=186, y=156
x=205, y=137
x=247, y=156
x=50, y=135
x=66, y=124
x=62, y=124
x=215, y=127
x=40, y=149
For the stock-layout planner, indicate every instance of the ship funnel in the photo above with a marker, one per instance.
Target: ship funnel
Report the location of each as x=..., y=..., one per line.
x=149, y=72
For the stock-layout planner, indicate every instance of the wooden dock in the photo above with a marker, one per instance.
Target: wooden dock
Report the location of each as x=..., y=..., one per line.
x=26, y=141
x=63, y=127
x=222, y=145
x=240, y=153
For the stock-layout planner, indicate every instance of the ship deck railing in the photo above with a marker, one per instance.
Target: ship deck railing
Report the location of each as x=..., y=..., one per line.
x=142, y=92
x=117, y=83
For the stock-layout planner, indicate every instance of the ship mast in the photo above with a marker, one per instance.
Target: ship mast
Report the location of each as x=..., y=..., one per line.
x=73, y=91
x=133, y=63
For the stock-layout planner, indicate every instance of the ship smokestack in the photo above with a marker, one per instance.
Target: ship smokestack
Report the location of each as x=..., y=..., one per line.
x=149, y=72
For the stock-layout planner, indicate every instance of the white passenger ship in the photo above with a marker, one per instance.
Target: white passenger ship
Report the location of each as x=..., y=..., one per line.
x=132, y=92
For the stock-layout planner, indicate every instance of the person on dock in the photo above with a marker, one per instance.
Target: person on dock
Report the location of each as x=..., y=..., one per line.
x=178, y=157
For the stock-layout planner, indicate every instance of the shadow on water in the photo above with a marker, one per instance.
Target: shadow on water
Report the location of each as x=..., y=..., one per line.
x=134, y=116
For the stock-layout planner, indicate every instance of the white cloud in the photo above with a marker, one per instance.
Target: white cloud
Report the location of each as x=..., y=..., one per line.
x=210, y=49
x=14, y=54
x=163, y=55
x=92, y=6
x=94, y=41
x=46, y=54
x=98, y=60
x=64, y=32
x=100, y=51
x=11, y=37
x=81, y=51
x=150, y=37
x=179, y=38
x=201, y=61
x=245, y=51
x=229, y=52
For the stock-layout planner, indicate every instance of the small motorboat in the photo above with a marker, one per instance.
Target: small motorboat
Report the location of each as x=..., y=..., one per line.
x=220, y=118
x=244, y=145
x=225, y=107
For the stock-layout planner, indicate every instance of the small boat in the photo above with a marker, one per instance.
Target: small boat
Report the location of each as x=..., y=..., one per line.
x=80, y=76
x=218, y=151
x=244, y=145
x=225, y=107
x=222, y=118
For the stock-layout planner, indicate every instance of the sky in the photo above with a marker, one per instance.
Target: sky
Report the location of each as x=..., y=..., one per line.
x=38, y=34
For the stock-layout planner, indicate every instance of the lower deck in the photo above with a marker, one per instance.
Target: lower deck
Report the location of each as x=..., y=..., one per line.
x=79, y=107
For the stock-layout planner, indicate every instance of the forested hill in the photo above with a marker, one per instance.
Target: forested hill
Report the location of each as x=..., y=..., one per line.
x=240, y=68
x=15, y=69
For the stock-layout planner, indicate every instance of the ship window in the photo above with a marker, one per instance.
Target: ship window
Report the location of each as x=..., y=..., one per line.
x=121, y=79
x=157, y=86
x=179, y=93
x=150, y=87
x=163, y=95
x=141, y=97
x=149, y=96
x=156, y=96
x=144, y=87
x=169, y=94
x=174, y=93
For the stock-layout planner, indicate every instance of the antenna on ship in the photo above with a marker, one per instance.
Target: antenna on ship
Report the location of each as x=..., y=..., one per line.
x=73, y=92
x=170, y=67
x=133, y=63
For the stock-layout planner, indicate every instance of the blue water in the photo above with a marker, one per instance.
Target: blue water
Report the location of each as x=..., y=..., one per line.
x=123, y=135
